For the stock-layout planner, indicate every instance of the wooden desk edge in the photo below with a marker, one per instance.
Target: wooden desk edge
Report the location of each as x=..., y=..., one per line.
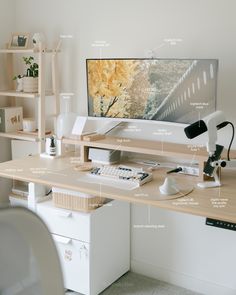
x=205, y=208
x=162, y=204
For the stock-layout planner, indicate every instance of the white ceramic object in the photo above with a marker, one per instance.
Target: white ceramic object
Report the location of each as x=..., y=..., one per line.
x=66, y=120
x=19, y=84
x=38, y=38
x=29, y=124
x=47, y=145
x=82, y=240
x=30, y=84
x=65, y=123
x=169, y=186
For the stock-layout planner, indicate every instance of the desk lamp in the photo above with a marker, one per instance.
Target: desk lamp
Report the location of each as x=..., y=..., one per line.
x=212, y=123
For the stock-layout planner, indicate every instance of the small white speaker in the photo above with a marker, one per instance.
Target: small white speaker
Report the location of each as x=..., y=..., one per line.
x=104, y=156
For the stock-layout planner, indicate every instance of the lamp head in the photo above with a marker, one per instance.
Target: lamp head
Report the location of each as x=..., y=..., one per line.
x=210, y=123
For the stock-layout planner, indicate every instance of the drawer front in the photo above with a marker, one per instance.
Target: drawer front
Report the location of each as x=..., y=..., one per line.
x=67, y=223
x=74, y=258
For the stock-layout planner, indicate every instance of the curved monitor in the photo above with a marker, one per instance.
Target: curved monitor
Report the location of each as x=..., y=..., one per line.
x=168, y=90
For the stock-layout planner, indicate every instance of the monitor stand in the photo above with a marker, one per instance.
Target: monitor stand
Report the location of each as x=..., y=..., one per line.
x=109, y=126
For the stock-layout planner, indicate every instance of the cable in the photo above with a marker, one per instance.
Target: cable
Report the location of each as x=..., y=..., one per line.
x=49, y=192
x=176, y=170
x=231, y=141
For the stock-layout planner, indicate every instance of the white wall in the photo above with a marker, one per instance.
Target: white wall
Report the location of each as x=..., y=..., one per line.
x=7, y=15
x=185, y=252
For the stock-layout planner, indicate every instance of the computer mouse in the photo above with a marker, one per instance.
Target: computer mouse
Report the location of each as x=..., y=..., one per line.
x=169, y=187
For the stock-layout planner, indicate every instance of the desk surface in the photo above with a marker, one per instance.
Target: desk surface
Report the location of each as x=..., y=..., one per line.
x=218, y=203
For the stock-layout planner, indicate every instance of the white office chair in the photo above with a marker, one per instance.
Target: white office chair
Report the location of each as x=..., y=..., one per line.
x=29, y=264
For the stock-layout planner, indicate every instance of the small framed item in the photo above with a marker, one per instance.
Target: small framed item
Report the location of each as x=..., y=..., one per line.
x=19, y=41
x=11, y=119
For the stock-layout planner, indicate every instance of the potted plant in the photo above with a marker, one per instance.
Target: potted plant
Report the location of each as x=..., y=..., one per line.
x=19, y=82
x=30, y=80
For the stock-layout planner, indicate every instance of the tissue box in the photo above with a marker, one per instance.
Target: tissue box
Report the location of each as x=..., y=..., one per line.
x=11, y=119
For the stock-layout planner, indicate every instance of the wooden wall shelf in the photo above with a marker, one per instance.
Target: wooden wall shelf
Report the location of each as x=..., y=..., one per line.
x=42, y=92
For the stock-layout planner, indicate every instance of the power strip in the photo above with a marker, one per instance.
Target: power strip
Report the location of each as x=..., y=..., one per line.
x=192, y=169
x=189, y=170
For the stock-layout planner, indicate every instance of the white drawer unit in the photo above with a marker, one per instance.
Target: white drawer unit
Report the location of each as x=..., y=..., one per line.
x=94, y=248
x=74, y=256
x=64, y=222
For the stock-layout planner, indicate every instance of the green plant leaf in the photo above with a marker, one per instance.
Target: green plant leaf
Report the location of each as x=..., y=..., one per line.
x=32, y=70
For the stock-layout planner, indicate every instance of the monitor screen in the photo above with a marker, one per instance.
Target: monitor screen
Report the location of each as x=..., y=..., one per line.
x=170, y=90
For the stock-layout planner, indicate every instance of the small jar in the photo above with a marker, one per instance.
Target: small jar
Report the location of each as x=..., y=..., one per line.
x=52, y=147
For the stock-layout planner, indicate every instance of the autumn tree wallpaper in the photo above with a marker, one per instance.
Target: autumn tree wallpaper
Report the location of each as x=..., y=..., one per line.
x=153, y=89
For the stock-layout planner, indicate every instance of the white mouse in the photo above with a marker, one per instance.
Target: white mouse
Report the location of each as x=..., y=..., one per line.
x=169, y=187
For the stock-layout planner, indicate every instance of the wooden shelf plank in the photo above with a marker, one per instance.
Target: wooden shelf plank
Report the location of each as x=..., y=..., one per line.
x=17, y=135
x=30, y=50
x=148, y=147
x=14, y=93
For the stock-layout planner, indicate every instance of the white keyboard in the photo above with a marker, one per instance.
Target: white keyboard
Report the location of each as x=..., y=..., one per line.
x=123, y=173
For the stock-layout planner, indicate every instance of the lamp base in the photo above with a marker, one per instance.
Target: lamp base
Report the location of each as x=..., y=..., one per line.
x=209, y=184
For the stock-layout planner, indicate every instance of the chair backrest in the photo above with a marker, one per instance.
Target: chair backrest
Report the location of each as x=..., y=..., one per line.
x=29, y=264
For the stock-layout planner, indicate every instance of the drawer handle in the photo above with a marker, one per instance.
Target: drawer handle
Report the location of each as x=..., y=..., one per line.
x=83, y=251
x=62, y=240
x=63, y=213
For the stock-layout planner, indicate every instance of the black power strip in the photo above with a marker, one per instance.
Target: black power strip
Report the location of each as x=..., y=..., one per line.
x=221, y=224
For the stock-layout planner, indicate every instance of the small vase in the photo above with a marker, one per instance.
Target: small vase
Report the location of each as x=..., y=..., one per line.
x=19, y=84
x=38, y=38
x=30, y=84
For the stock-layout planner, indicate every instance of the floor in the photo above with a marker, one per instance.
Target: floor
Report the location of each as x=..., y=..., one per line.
x=134, y=284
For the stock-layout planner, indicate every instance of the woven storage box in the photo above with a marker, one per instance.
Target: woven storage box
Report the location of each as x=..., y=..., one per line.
x=75, y=200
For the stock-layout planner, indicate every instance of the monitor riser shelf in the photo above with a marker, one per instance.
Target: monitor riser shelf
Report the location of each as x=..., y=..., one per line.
x=147, y=147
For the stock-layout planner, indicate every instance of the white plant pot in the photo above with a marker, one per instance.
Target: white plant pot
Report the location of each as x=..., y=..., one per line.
x=30, y=84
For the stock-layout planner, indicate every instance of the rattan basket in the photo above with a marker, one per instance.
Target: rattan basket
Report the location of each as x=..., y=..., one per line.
x=75, y=200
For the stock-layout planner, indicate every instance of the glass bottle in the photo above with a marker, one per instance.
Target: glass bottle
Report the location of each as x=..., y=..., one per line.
x=66, y=120
x=52, y=148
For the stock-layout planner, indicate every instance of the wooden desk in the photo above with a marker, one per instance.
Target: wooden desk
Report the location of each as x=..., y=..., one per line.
x=218, y=203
